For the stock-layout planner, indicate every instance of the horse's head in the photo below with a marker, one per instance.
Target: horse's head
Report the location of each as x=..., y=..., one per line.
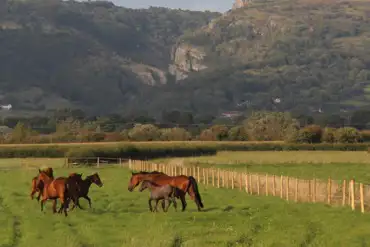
x=49, y=172
x=96, y=179
x=135, y=179
x=144, y=185
x=43, y=178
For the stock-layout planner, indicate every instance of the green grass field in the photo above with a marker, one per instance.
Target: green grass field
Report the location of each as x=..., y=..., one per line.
x=302, y=164
x=121, y=218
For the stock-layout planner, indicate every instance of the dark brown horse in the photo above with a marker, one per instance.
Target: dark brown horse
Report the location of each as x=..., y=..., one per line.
x=49, y=171
x=187, y=184
x=83, y=187
x=52, y=190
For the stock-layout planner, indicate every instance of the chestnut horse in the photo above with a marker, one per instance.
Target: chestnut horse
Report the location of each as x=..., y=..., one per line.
x=187, y=184
x=53, y=189
x=49, y=171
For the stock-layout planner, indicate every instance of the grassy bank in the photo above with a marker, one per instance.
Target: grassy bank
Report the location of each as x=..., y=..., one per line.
x=121, y=218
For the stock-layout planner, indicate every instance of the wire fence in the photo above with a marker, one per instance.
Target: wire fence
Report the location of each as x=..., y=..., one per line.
x=332, y=192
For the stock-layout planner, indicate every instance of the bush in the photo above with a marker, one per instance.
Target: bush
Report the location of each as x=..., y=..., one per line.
x=215, y=133
x=328, y=135
x=175, y=134
x=144, y=132
x=237, y=133
x=347, y=135
x=309, y=134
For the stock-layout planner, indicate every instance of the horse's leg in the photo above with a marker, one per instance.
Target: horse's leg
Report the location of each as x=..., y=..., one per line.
x=156, y=205
x=150, y=205
x=42, y=204
x=54, y=206
x=174, y=203
x=168, y=201
x=88, y=199
x=183, y=202
x=38, y=197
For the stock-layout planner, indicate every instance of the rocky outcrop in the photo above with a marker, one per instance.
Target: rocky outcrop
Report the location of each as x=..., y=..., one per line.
x=240, y=3
x=149, y=75
x=186, y=59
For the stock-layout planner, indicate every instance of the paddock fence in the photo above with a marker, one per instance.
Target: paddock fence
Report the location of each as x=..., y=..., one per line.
x=332, y=192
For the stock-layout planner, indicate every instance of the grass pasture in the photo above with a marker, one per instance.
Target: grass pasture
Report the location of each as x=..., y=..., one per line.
x=121, y=218
x=301, y=164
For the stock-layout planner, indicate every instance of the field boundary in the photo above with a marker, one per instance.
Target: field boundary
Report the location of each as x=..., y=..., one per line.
x=331, y=192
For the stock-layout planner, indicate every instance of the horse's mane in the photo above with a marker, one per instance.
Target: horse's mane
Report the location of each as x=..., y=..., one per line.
x=153, y=172
x=48, y=171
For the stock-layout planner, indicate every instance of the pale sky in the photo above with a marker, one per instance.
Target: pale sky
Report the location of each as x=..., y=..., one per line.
x=213, y=5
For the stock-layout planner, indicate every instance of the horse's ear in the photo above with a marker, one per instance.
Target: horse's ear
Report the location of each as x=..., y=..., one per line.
x=39, y=170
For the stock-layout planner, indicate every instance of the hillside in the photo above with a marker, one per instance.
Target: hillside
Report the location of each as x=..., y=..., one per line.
x=95, y=56
x=312, y=55
x=293, y=55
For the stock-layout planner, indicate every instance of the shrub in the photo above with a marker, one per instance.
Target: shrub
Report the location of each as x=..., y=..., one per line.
x=309, y=134
x=144, y=132
x=328, y=135
x=215, y=133
x=175, y=134
x=347, y=135
x=237, y=133
x=270, y=126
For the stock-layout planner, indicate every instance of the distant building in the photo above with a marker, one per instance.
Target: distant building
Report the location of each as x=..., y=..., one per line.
x=231, y=114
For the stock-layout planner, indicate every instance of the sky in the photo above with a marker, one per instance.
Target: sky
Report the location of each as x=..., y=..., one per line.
x=213, y=5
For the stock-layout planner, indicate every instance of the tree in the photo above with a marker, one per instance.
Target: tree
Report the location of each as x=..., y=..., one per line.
x=237, y=133
x=144, y=132
x=20, y=133
x=268, y=126
x=175, y=134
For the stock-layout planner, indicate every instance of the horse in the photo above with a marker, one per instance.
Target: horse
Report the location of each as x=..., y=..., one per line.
x=187, y=184
x=159, y=192
x=83, y=187
x=34, y=188
x=52, y=190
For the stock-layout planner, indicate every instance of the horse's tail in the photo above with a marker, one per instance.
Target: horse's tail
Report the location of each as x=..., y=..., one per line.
x=194, y=186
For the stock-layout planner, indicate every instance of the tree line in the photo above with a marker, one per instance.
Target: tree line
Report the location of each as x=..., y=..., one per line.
x=74, y=126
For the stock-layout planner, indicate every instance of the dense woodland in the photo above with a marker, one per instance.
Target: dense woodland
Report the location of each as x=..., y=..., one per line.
x=311, y=55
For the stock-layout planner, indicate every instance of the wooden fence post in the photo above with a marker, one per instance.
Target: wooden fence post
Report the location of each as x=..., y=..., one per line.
x=296, y=190
x=287, y=188
x=218, y=178
x=281, y=187
x=120, y=162
x=240, y=182
x=329, y=191
x=353, y=194
x=266, y=185
x=362, y=198
x=250, y=184
x=246, y=183
x=314, y=190
x=98, y=162
x=344, y=192
x=223, y=178
x=198, y=175
x=232, y=180
x=274, y=185
x=309, y=191
x=258, y=184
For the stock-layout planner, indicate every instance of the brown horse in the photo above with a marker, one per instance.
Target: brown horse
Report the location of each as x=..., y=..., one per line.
x=34, y=188
x=52, y=190
x=83, y=187
x=187, y=184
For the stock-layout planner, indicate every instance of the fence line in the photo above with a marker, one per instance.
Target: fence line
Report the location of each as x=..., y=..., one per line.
x=344, y=193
